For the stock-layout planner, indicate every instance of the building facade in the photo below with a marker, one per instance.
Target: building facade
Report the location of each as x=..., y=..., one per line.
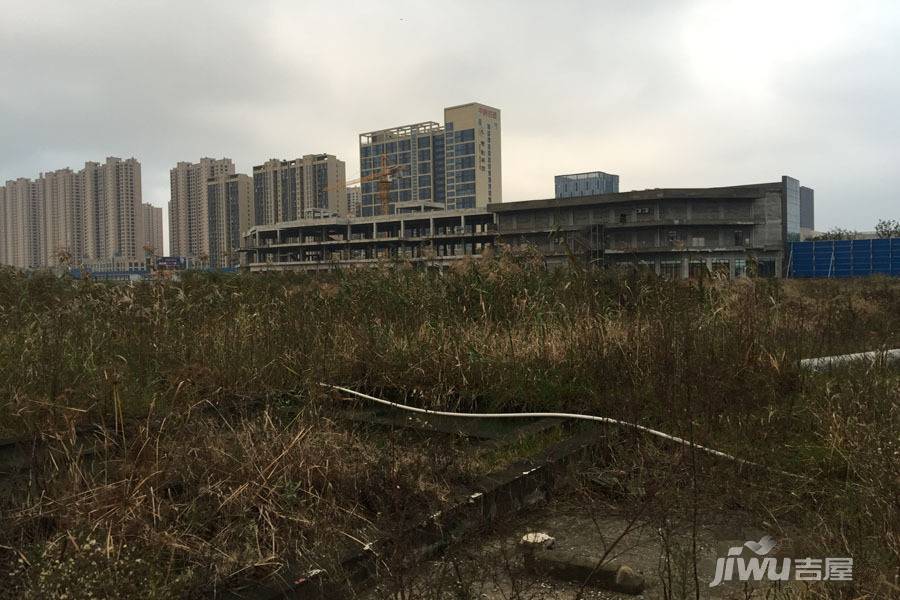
x=189, y=205
x=310, y=186
x=63, y=226
x=677, y=233
x=452, y=166
x=71, y=217
x=807, y=211
x=586, y=184
x=230, y=215
x=354, y=201
x=153, y=228
x=3, y=228
x=24, y=224
x=123, y=226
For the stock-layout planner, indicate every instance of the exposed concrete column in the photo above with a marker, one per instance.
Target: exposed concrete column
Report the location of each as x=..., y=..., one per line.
x=685, y=267
x=402, y=228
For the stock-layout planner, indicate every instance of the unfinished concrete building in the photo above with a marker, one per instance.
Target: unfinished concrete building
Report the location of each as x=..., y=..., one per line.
x=676, y=233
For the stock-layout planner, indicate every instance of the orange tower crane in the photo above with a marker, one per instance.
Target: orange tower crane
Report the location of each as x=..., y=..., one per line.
x=383, y=178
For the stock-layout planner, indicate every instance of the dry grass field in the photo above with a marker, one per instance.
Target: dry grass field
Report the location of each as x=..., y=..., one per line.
x=216, y=459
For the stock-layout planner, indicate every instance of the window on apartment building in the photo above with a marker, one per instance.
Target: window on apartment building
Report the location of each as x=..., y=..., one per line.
x=740, y=267
x=738, y=237
x=623, y=217
x=644, y=210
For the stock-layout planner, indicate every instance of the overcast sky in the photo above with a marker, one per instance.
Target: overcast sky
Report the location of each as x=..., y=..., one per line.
x=665, y=93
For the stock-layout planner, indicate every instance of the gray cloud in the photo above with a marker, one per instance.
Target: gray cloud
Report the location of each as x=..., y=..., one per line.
x=700, y=92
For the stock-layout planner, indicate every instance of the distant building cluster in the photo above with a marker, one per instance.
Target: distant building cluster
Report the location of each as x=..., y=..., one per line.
x=211, y=206
x=427, y=192
x=73, y=217
x=454, y=165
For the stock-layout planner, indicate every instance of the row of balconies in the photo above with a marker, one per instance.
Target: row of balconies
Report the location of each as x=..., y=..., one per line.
x=438, y=250
x=409, y=234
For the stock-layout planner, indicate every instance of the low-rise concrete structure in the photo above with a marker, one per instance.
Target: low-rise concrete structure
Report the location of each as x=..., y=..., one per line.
x=677, y=233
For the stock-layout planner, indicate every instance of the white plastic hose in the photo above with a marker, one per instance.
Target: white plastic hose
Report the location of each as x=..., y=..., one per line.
x=555, y=415
x=825, y=362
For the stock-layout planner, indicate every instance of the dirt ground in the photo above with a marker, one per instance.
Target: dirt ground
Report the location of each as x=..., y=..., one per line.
x=491, y=568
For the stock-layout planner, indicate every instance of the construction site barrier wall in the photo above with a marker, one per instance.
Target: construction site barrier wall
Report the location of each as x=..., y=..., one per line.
x=844, y=258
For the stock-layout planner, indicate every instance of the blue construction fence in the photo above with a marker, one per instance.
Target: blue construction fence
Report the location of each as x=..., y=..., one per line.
x=844, y=258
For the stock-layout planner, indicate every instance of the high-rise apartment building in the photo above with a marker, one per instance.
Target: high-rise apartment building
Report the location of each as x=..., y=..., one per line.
x=24, y=224
x=307, y=187
x=64, y=216
x=110, y=194
x=63, y=227
x=807, y=208
x=153, y=228
x=3, y=228
x=230, y=215
x=586, y=184
x=354, y=201
x=189, y=206
x=125, y=219
x=455, y=165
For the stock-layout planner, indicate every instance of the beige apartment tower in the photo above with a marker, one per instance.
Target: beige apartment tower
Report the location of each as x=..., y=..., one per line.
x=189, y=205
x=110, y=194
x=153, y=229
x=23, y=224
x=231, y=214
x=307, y=187
x=473, y=158
x=64, y=217
x=354, y=201
x=62, y=241
x=3, y=229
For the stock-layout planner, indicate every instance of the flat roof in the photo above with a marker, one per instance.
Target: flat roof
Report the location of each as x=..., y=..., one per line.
x=472, y=104
x=403, y=130
x=586, y=173
x=745, y=192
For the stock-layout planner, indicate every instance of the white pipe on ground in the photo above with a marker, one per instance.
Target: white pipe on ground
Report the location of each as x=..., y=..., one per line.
x=825, y=362
x=553, y=415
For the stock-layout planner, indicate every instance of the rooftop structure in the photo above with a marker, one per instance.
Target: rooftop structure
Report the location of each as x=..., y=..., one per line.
x=585, y=184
